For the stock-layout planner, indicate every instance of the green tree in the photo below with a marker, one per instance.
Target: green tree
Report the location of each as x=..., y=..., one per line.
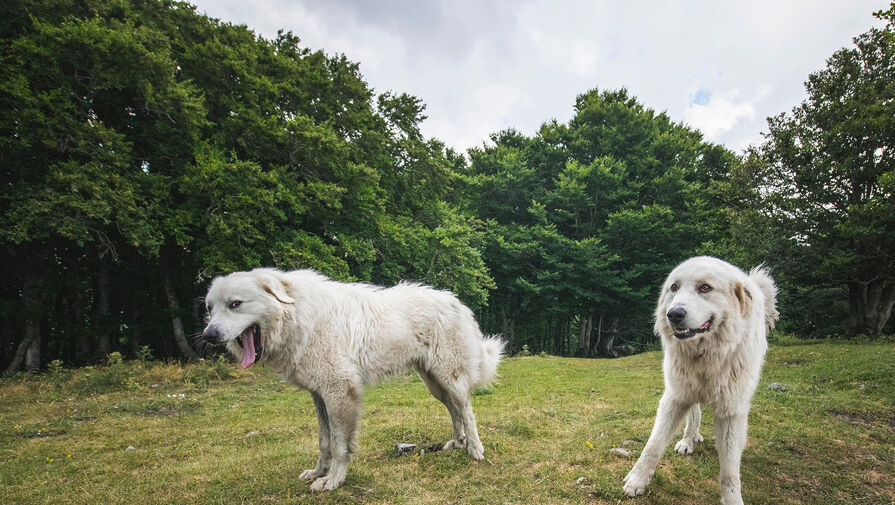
x=826, y=185
x=585, y=219
x=146, y=148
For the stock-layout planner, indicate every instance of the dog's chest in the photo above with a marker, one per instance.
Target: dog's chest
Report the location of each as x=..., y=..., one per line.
x=699, y=377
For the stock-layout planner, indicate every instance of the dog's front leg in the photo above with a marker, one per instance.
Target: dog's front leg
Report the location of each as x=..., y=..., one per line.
x=687, y=444
x=343, y=407
x=668, y=418
x=730, y=437
x=323, y=438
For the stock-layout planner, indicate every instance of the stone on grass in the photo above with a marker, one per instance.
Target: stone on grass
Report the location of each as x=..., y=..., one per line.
x=776, y=386
x=405, y=448
x=621, y=452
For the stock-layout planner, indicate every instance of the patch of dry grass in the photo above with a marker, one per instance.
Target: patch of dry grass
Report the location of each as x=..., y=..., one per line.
x=548, y=426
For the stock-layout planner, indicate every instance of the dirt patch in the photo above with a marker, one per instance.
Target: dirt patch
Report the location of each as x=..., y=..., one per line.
x=44, y=433
x=863, y=420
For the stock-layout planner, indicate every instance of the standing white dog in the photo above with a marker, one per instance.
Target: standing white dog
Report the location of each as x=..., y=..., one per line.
x=333, y=338
x=713, y=319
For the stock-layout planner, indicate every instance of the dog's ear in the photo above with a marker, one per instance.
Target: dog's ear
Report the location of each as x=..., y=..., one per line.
x=744, y=297
x=277, y=288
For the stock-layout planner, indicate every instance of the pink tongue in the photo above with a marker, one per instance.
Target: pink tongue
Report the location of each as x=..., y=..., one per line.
x=706, y=325
x=248, y=348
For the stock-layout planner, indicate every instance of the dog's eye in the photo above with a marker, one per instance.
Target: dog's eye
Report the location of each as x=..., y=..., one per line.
x=674, y=288
x=705, y=288
x=234, y=304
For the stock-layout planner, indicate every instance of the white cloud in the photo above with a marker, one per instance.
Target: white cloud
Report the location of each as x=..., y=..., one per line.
x=718, y=114
x=481, y=67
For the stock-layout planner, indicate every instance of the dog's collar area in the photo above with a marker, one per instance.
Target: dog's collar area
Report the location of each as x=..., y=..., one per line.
x=685, y=333
x=250, y=341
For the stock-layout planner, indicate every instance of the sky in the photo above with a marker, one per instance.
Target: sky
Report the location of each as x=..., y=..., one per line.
x=482, y=66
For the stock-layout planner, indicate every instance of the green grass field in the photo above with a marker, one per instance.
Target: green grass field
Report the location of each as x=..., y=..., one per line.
x=213, y=433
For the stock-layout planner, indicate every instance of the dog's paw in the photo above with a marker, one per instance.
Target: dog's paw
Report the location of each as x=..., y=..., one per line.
x=476, y=450
x=635, y=483
x=687, y=445
x=308, y=474
x=325, y=483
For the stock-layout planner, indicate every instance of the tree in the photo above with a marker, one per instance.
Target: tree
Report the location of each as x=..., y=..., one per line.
x=145, y=148
x=826, y=185
x=584, y=220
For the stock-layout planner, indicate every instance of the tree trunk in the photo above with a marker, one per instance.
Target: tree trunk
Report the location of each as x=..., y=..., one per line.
x=508, y=328
x=585, y=329
x=870, y=306
x=136, y=333
x=605, y=348
x=28, y=350
x=176, y=321
x=32, y=354
x=103, y=312
x=85, y=344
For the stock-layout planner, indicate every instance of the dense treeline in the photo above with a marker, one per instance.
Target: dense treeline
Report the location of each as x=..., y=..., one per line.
x=146, y=148
x=585, y=219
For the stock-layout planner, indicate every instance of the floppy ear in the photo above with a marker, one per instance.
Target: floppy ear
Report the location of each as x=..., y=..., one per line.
x=744, y=297
x=277, y=288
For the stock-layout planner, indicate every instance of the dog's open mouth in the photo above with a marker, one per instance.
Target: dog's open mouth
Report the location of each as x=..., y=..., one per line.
x=683, y=333
x=250, y=341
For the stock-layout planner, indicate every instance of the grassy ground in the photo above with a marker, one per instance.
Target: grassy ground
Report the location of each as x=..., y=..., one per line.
x=212, y=433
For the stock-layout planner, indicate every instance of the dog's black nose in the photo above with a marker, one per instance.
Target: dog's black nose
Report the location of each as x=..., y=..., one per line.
x=211, y=334
x=676, y=315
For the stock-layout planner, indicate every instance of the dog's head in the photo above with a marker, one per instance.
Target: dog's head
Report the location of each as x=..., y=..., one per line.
x=243, y=309
x=699, y=297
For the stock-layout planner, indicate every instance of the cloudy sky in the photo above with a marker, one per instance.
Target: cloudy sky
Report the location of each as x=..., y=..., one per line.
x=482, y=66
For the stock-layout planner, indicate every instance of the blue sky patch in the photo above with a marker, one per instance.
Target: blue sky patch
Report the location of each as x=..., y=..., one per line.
x=701, y=97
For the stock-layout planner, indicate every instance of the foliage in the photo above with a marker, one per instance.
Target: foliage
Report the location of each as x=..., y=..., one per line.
x=817, y=197
x=146, y=148
x=585, y=219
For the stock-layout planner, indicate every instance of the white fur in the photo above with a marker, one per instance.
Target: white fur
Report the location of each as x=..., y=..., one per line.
x=719, y=367
x=334, y=338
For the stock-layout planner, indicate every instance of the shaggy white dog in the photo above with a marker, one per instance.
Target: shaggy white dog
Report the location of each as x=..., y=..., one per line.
x=334, y=338
x=713, y=320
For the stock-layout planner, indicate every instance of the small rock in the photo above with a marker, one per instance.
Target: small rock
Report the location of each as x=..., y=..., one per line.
x=252, y=433
x=405, y=448
x=629, y=442
x=621, y=452
x=580, y=480
x=776, y=386
x=153, y=385
x=130, y=448
x=861, y=387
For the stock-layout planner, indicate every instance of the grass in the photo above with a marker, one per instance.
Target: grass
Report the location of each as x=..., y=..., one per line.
x=213, y=433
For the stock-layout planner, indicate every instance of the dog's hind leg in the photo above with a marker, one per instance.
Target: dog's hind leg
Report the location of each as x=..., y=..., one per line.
x=343, y=408
x=458, y=440
x=691, y=438
x=323, y=437
x=458, y=394
x=730, y=439
x=671, y=412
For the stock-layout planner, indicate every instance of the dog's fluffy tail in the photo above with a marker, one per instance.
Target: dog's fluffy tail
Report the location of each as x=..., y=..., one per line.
x=492, y=353
x=761, y=276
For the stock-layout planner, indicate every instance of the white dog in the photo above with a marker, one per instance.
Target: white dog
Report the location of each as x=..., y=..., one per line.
x=713, y=319
x=333, y=338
